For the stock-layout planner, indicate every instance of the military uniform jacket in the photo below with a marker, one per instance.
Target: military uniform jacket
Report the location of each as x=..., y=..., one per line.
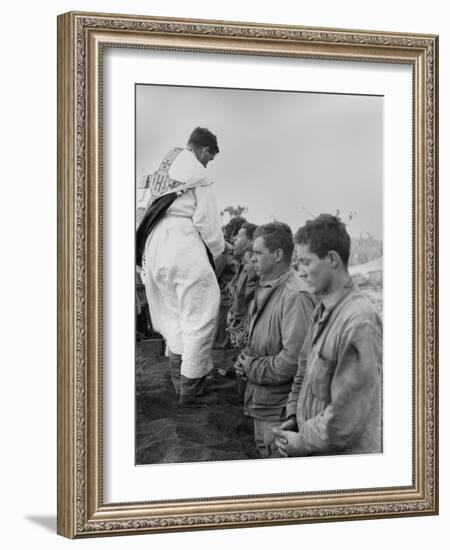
x=279, y=316
x=337, y=391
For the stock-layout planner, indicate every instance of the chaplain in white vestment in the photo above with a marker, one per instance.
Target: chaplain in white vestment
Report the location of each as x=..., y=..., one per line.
x=180, y=283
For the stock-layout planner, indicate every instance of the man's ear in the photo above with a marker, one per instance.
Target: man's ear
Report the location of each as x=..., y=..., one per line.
x=335, y=259
x=279, y=255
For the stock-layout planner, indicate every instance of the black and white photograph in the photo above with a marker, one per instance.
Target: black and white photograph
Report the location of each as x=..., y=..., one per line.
x=247, y=274
x=259, y=274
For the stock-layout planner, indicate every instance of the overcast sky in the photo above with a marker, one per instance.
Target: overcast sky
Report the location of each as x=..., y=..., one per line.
x=284, y=155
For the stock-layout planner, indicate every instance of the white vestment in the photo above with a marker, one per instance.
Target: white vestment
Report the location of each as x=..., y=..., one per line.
x=181, y=286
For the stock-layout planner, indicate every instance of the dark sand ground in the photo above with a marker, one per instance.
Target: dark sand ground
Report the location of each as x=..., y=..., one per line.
x=166, y=433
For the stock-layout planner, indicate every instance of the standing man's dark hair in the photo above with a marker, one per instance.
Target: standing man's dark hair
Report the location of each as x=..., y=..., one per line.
x=202, y=137
x=324, y=234
x=277, y=235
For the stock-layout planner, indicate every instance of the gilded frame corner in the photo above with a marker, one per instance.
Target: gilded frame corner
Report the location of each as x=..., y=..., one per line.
x=81, y=37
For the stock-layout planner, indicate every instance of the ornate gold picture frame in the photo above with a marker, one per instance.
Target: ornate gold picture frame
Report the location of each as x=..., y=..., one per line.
x=82, y=40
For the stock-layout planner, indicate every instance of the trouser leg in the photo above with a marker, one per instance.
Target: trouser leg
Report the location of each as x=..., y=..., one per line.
x=198, y=308
x=220, y=336
x=265, y=438
x=175, y=370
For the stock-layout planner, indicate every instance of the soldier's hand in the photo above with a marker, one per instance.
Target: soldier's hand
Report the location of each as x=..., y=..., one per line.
x=245, y=359
x=288, y=443
x=290, y=425
x=238, y=368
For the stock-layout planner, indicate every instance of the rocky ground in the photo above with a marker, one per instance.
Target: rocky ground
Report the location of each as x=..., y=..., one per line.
x=166, y=433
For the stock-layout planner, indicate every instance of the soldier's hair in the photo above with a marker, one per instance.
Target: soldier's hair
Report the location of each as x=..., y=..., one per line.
x=277, y=235
x=249, y=229
x=202, y=137
x=231, y=229
x=323, y=234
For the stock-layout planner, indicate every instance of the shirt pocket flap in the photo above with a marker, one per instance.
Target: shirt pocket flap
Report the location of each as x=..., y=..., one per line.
x=322, y=375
